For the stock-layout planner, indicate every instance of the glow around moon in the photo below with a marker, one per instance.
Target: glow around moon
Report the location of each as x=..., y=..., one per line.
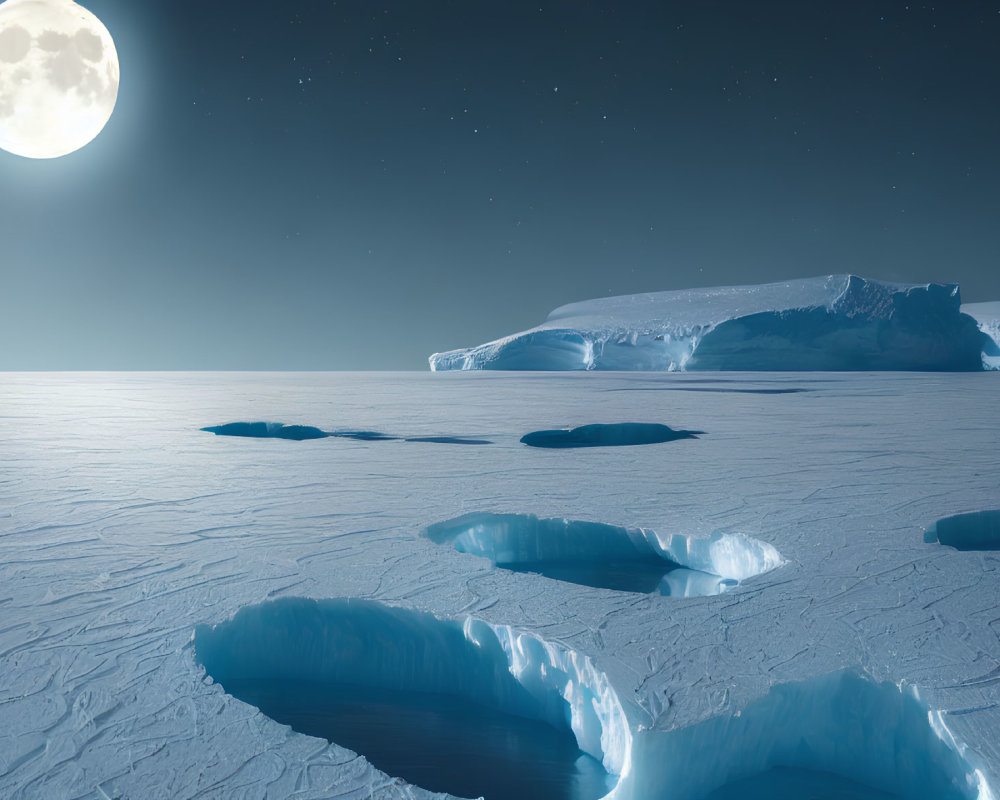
x=58, y=77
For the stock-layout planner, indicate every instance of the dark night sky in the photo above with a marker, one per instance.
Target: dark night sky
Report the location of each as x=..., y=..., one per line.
x=309, y=184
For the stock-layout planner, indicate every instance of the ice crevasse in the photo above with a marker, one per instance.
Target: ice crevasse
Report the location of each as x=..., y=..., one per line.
x=835, y=322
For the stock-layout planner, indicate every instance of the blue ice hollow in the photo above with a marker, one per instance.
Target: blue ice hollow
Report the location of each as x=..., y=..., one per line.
x=842, y=730
x=267, y=430
x=976, y=530
x=278, y=430
x=346, y=642
x=616, y=434
x=836, y=322
x=609, y=556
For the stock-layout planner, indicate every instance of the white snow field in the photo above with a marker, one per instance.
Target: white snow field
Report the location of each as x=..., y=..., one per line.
x=152, y=574
x=834, y=322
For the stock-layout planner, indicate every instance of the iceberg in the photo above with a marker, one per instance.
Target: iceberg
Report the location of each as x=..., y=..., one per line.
x=987, y=317
x=836, y=322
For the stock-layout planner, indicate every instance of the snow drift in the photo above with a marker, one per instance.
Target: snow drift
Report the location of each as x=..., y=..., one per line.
x=838, y=322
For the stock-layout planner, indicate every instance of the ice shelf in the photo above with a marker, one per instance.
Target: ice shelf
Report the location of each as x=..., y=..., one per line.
x=836, y=322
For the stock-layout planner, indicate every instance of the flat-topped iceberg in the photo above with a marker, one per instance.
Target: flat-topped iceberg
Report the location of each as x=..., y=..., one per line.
x=837, y=322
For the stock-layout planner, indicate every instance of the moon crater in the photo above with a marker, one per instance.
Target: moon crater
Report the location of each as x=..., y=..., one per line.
x=88, y=45
x=15, y=42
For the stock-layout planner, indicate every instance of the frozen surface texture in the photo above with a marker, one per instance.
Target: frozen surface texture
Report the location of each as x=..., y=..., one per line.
x=838, y=322
x=124, y=528
x=609, y=556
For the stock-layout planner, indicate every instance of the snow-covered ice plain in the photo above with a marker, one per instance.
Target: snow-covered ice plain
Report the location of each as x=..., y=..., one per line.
x=136, y=550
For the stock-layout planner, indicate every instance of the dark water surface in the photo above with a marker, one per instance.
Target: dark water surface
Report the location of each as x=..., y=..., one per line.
x=621, y=575
x=440, y=742
x=784, y=783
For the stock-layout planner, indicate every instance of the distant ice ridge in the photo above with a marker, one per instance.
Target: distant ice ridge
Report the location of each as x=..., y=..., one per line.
x=836, y=322
x=987, y=316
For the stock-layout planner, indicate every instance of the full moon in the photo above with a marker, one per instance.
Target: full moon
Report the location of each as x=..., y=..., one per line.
x=58, y=77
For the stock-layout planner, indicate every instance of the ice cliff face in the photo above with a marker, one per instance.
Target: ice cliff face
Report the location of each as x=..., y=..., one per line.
x=838, y=322
x=987, y=316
